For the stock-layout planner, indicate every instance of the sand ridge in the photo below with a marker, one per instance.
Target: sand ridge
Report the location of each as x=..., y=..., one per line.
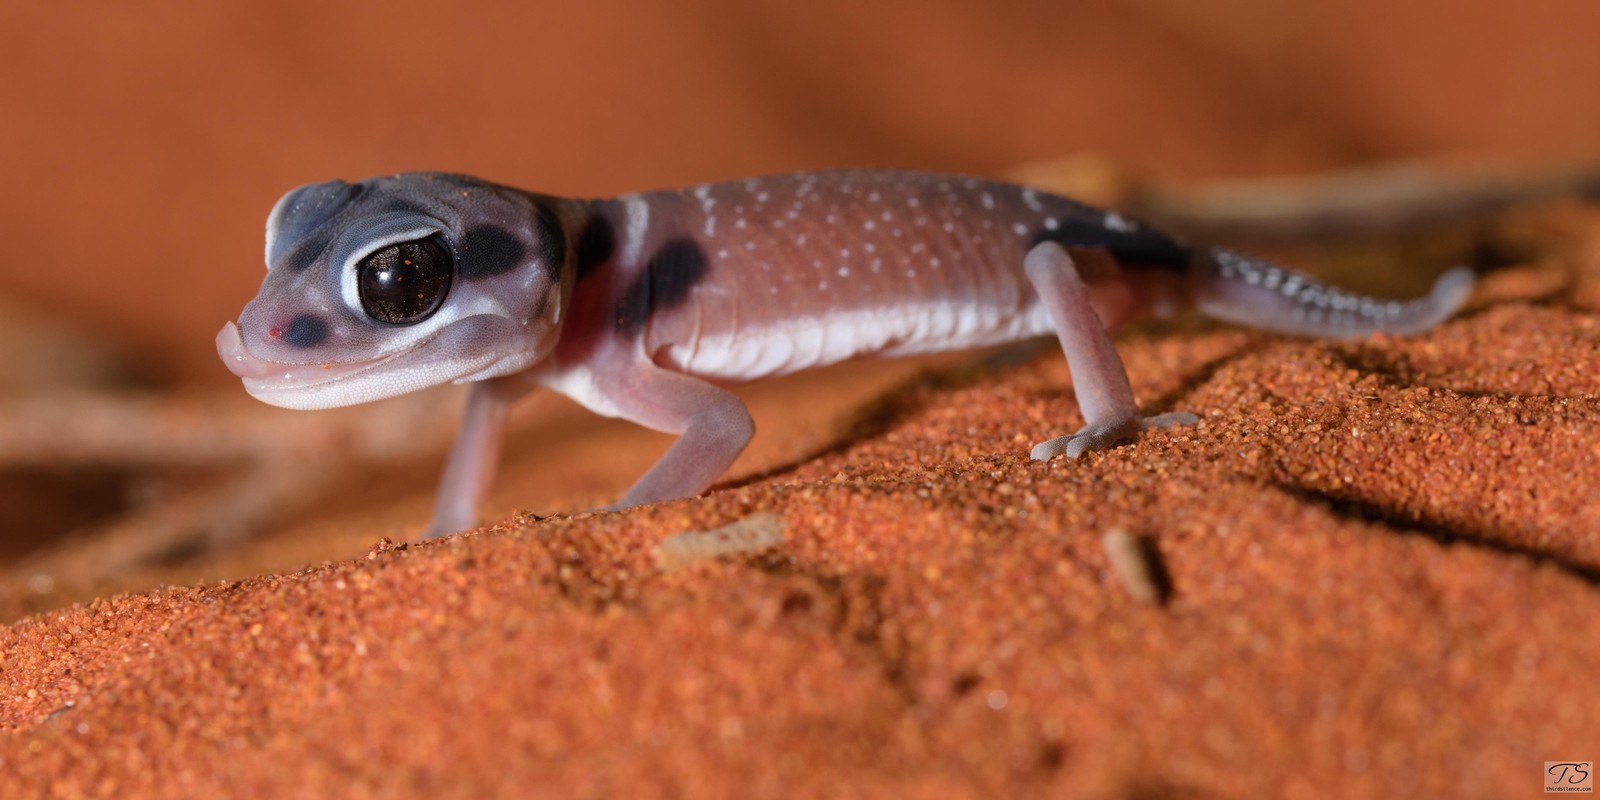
x=1383, y=557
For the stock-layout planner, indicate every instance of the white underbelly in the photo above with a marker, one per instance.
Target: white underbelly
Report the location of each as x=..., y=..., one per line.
x=792, y=345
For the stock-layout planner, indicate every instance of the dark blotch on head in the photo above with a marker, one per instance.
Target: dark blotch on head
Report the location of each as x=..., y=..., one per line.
x=488, y=250
x=306, y=251
x=400, y=205
x=307, y=209
x=306, y=330
x=1141, y=247
x=665, y=283
x=596, y=243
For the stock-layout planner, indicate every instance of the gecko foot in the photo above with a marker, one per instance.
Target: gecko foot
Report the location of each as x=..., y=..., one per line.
x=1107, y=435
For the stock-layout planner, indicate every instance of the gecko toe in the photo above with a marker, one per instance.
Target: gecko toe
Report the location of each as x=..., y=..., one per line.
x=1169, y=420
x=1107, y=435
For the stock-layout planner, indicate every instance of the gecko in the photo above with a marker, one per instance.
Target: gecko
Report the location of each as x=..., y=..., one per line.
x=644, y=306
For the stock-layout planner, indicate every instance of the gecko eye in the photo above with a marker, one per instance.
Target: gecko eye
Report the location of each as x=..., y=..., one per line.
x=405, y=283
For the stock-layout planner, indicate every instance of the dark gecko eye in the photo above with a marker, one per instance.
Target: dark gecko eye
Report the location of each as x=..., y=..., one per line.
x=404, y=283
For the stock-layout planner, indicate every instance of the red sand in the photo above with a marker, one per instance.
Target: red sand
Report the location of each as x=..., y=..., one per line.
x=1383, y=556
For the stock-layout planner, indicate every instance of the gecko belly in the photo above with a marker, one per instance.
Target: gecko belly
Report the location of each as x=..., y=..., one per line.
x=796, y=344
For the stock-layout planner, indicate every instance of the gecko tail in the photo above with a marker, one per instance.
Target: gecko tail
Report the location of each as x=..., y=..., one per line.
x=1238, y=288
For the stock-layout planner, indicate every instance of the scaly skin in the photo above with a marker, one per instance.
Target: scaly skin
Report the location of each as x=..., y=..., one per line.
x=632, y=305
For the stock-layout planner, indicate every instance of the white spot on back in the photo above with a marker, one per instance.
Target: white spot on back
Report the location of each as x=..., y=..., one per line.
x=1031, y=198
x=1119, y=223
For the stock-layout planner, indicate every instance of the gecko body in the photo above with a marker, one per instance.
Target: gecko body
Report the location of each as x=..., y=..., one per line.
x=637, y=306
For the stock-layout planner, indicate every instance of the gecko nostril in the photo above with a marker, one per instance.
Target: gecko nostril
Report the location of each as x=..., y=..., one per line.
x=305, y=330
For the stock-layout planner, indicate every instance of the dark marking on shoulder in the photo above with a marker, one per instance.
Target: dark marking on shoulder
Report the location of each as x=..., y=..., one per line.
x=306, y=330
x=597, y=242
x=1141, y=246
x=666, y=281
x=674, y=270
x=488, y=250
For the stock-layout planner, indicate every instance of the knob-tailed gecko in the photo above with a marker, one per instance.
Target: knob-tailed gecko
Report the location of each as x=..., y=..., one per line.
x=638, y=306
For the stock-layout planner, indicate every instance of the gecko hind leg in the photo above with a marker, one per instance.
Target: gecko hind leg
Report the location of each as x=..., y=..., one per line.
x=1098, y=377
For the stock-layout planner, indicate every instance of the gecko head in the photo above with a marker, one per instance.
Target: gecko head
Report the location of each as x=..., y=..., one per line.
x=394, y=284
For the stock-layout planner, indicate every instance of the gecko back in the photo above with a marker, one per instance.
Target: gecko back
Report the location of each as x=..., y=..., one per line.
x=750, y=278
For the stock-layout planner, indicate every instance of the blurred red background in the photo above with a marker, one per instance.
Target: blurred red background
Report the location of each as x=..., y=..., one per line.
x=142, y=144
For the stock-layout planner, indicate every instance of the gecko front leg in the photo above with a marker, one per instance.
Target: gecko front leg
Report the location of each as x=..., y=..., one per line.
x=713, y=427
x=1098, y=377
x=471, y=465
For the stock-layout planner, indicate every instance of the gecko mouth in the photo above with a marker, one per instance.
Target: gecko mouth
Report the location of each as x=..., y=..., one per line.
x=262, y=373
x=453, y=353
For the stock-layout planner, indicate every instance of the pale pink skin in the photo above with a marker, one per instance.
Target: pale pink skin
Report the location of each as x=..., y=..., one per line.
x=658, y=294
